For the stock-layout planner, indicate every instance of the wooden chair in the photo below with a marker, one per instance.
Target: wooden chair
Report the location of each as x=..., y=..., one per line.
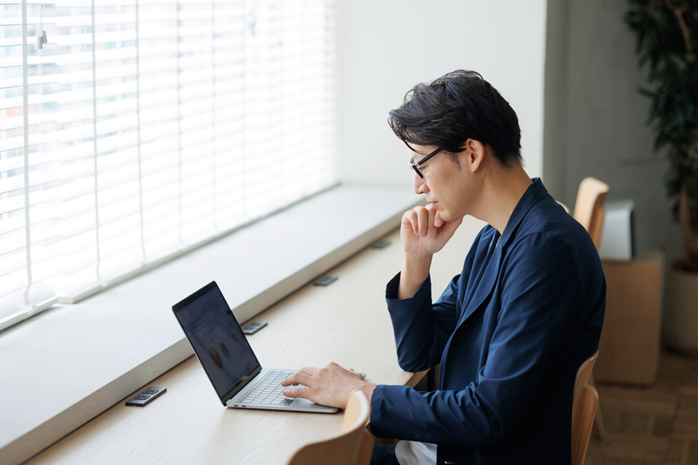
x=353, y=446
x=584, y=405
x=589, y=210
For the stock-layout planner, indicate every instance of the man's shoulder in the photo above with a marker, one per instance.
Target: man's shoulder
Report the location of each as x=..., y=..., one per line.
x=549, y=233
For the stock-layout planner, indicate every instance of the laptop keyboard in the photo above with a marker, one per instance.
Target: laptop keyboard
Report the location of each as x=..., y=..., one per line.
x=268, y=391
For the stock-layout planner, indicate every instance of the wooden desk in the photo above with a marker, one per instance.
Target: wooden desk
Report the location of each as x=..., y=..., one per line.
x=346, y=322
x=630, y=344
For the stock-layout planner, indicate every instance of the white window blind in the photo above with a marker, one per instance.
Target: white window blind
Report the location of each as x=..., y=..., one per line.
x=145, y=127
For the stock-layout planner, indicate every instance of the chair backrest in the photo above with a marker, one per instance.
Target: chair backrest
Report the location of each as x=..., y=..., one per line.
x=584, y=405
x=589, y=208
x=352, y=446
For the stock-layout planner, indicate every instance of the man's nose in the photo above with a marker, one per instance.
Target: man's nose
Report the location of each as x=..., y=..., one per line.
x=420, y=185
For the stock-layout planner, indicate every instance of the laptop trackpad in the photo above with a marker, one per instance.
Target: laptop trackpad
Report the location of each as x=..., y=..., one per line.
x=300, y=402
x=306, y=405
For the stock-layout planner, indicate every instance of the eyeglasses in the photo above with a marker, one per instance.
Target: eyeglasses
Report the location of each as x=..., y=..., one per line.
x=416, y=166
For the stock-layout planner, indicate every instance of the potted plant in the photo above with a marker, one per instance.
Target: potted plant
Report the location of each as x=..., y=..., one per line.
x=667, y=42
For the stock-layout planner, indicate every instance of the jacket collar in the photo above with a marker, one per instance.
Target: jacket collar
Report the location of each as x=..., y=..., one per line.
x=535, y=192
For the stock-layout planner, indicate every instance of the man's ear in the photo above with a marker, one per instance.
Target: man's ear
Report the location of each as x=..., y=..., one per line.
x=474, y=154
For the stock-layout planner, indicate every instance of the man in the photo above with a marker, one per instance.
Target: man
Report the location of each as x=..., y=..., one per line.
x=512, y=329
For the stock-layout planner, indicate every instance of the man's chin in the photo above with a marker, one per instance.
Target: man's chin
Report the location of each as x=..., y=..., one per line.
x=448, y=217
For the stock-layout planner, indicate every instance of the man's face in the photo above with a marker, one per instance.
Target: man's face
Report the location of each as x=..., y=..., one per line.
x=445, y=182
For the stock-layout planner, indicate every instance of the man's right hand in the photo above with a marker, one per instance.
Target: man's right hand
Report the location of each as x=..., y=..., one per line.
x=423, y=233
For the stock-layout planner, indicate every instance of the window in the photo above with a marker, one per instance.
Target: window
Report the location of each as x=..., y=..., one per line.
x=145, y=127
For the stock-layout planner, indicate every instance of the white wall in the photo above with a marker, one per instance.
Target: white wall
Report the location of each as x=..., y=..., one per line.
x=384, y=47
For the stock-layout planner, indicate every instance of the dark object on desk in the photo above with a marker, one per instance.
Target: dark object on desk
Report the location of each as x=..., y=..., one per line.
x=326, y=281
x=146, y=396
x=380, y=245
x=254, y=327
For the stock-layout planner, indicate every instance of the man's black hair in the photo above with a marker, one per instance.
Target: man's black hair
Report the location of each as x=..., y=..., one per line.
x=456, y=107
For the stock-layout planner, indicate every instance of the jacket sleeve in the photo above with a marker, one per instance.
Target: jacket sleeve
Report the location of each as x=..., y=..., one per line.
x=540, y=308
x=420, y=328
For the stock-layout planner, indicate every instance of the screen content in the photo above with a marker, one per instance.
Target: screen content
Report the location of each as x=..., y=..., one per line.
x=217, y=340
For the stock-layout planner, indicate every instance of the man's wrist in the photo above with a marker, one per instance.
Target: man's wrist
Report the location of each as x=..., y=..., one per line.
x=365, y=387
x=415, y=270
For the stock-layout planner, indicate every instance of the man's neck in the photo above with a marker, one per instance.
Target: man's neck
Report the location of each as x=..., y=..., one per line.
x=501, y=191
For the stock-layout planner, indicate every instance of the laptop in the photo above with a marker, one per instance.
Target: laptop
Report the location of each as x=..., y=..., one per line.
x=229, y=361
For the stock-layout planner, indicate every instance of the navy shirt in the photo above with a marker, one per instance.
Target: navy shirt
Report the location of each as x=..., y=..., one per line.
x=510, y=333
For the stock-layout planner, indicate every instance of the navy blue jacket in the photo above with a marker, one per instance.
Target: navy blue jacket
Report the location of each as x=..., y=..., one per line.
x=510, y=333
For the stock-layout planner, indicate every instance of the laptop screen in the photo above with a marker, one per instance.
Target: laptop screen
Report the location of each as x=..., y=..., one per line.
x=217, y=340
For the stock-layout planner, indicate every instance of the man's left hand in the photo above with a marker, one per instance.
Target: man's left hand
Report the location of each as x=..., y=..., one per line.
x=331, y=386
